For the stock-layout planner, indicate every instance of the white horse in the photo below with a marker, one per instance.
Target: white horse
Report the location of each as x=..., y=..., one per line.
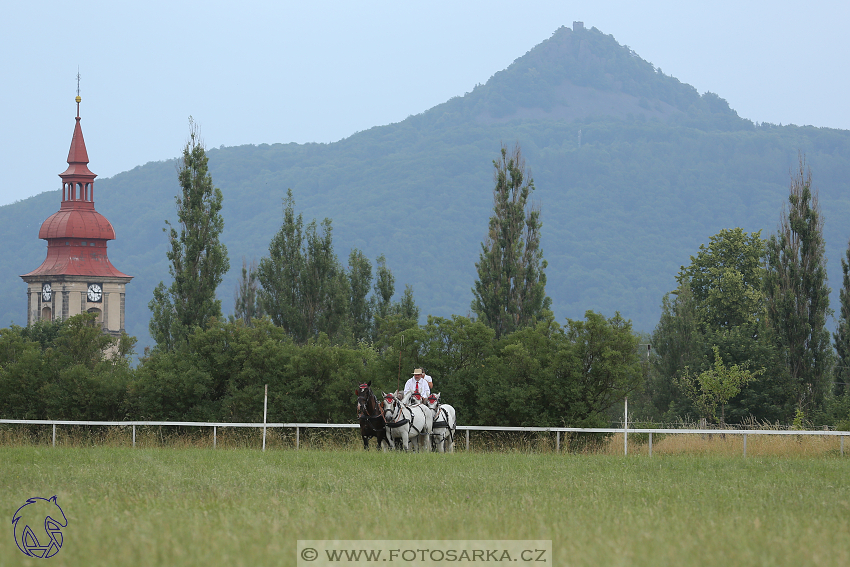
x=444, y=426
x=407, y=423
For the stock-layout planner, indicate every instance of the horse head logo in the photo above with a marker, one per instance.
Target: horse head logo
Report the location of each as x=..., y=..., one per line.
x=38, y=527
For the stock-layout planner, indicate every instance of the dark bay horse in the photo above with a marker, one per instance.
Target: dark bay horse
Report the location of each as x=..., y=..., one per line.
x=372, y=423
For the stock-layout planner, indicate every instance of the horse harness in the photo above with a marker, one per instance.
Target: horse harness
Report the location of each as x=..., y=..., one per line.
x=442, y=424
x=398, y=423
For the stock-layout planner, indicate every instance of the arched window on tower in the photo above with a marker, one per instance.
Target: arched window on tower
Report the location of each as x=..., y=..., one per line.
x=98, y=313
x=46, y=314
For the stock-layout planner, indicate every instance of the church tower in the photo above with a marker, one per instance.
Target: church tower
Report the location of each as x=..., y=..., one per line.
x=77, y=276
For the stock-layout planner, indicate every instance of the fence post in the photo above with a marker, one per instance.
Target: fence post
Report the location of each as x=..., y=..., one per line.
x=265, y=407
x=557, y=441
x=745, y=444
x=467, y=439
x=134, y=436
x=650, y=443
x=214, y=436
x=626, y=427
x=54, y=434
x=297, y=437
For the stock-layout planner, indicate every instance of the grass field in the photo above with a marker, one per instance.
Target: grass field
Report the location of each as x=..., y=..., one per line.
x=196, y=506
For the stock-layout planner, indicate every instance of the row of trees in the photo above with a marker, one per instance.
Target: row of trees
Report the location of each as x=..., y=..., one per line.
x=301, y=285
x=747, y=327
x=305, y=290
x=546, y=375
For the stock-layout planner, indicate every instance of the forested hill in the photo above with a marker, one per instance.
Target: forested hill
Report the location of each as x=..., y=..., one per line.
x=634, y=170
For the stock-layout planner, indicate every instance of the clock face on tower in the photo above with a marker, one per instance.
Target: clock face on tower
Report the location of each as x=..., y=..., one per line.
x=95, y=292
x=46, y=292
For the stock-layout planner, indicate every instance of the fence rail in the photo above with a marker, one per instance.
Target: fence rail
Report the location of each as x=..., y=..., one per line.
x=467, y=428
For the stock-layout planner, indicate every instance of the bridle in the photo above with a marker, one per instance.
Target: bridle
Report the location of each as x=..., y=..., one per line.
x=394, y=405
x=363, y=398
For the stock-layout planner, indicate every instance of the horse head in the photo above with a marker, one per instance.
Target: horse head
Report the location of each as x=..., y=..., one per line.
x=433, y=401
x=389, y=404
x=365, y=399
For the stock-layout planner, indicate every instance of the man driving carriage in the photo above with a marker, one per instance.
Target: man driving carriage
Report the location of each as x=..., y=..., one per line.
x=419, y=385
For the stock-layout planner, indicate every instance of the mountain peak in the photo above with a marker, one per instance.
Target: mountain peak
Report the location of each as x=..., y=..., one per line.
x=580, y=73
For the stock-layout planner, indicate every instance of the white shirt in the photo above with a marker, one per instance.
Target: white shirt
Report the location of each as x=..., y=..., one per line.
x=424, y=390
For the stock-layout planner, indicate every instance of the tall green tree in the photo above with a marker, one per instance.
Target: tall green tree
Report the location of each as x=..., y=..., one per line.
x=306, y=290
x=842, y=334
x=798, y=295
x=198, y=260
x=384, y=289
x=280, y=273
x=359, y=282
x=510, y=292
x=324, y=291
x=247, y=304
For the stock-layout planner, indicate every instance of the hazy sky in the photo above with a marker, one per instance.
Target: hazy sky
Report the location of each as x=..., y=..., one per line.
x=265, y=72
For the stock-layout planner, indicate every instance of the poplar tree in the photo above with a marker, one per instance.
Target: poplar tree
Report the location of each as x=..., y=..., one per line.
x=325, y=292
x=280, y=273
x=247, y=304
x=359, y=282
x=384, y=289
x=198, y=260
x=305, y=289
x=842, y=336
x=798, y=295
x=510, y=293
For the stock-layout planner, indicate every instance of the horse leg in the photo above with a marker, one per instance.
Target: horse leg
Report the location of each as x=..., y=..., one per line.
x=425, y=439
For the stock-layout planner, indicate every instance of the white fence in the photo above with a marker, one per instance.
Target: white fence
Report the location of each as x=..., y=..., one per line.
x=467, y=428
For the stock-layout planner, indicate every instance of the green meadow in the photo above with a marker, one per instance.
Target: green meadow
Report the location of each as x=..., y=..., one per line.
x=198, y=506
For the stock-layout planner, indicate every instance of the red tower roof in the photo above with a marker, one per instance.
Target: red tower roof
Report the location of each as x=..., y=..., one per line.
x=77, y=223
x=76, y=235
x=78, y=157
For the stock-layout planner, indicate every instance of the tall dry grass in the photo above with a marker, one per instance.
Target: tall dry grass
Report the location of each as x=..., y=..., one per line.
x=148, y=437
